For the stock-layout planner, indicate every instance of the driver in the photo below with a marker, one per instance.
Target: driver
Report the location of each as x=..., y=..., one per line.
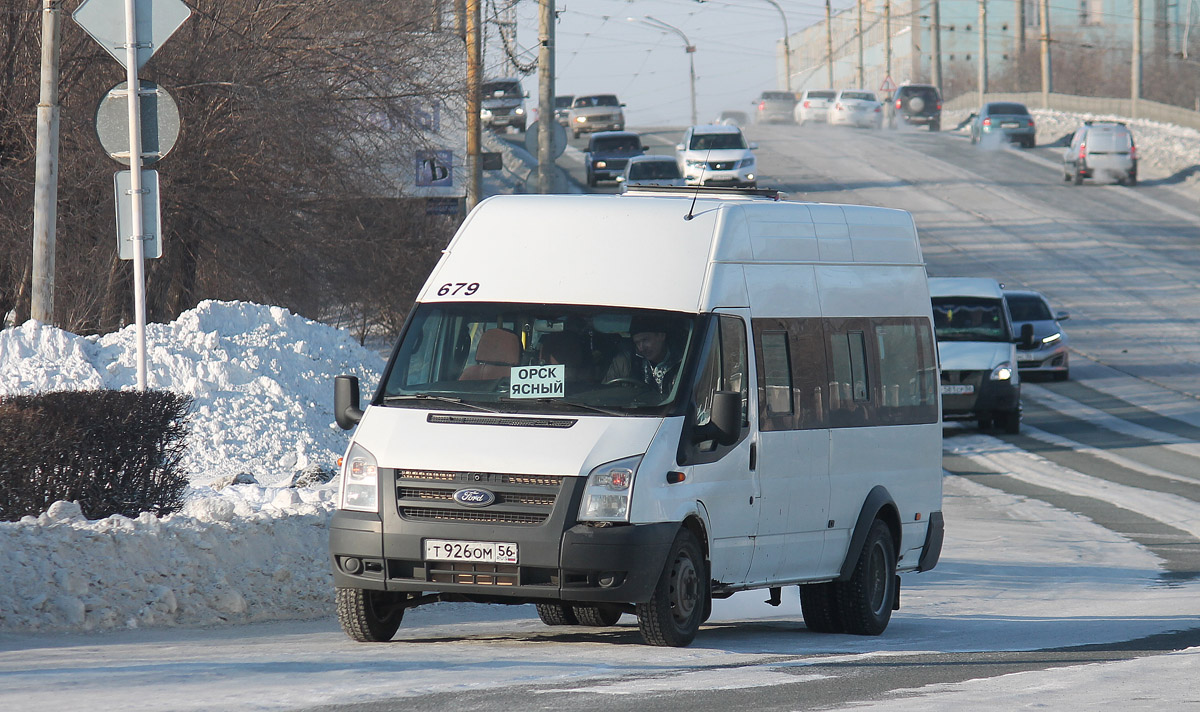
x=653, y=361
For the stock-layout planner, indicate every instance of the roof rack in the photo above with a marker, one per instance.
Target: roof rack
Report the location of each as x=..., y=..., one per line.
x=1089, y=122
x=706, y=191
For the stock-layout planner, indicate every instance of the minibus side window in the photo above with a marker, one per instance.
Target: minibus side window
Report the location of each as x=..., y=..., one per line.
x=849, y=390
x=722, y=368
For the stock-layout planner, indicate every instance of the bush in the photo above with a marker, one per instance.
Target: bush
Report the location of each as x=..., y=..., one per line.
x=115, y=452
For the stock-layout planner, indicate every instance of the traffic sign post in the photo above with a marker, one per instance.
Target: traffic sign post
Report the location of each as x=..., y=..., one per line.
x=147, y=25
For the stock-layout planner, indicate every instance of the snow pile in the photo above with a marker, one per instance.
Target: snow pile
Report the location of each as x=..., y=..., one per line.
x=262, y=381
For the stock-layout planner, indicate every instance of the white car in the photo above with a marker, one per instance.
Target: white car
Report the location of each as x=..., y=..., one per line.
x=651, y=170
x=814, y=106
x=856, y=107
x=717, y=155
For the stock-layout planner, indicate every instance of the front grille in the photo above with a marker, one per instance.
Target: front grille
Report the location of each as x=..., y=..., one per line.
x=521, y=500
x=480, y=574
x=721, y=165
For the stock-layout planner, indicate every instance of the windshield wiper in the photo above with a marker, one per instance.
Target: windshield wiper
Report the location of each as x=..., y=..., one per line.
x=582, y=406
x=440, y=399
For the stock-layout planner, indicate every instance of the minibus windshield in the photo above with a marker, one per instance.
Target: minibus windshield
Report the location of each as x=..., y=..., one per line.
x=539, y=358
x=969, y=319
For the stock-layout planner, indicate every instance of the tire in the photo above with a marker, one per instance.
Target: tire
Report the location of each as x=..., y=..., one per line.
x=985, y=422
x=597, y=616
x=575, y=134
x=818, y=603
x=866, y=600
x=973, y=139
x=557, y=614
x=672, y=616
x=591, y=181
x=369, y=616
x=935, y=125
x=1132, y=180
x=1066, y=177
x=1077, y=179
x=1009, y=421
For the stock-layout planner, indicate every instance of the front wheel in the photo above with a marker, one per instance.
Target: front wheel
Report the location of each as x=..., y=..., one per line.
x=818, y=604
x=556, y=614
x=867, y=599
x=369, y=616
x=1009, y=421
x=672, y=616
x=597, y=616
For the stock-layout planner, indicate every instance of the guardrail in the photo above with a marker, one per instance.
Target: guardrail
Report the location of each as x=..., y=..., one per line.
x=1146, y=109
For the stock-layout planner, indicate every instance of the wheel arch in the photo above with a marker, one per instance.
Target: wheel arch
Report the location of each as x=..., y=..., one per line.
x=878, y=505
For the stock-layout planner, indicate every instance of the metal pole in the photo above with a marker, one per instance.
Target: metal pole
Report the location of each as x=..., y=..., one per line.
x=983, y=48
x=1135, y=79
x=935, y=51
x=691, y=50
x=474, y=50
x=888, y=108
x=1047, y=75
x=1019, y=38
x=45, y=185
x=787, y=50
x=546, y=119
x=135, y=187
x=862, y=82
x=829, y=40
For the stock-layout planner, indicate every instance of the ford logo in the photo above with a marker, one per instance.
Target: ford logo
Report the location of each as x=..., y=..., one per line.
x=474, y=497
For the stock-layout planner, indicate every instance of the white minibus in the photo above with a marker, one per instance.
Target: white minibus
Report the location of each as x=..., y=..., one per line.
x=635, y=404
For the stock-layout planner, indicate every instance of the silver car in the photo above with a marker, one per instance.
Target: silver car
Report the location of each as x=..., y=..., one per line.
x=596, y=112
x=814, y=106
x=651, y=170
x=1048, y=352
x=1101, y=149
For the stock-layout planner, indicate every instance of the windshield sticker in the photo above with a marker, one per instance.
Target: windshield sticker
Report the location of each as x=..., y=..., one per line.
x=537, y=381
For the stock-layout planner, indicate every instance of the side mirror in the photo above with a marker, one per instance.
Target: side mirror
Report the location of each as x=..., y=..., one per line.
x=1062, y=316
x=679, y=147
x=1026, y=339
x=526, y=93
x=345, y=401
x=645, y=147
x=622, y=105
x=725, y=421
x=753, y=146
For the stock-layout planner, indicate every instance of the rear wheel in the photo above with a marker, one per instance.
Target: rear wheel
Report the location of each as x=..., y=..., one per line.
x=935, y=125
x=672, y=615
x=597, y=616
x=1132, y=179
x=1077, y=179
x=369, y=616
x=818, y=603
x=556, y=614
x=866, y=600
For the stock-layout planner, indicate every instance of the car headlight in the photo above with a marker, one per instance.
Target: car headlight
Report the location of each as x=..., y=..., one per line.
x=580, y=119
x=485, y=113
x=746, y=162
x=360, y=481
x=601, y=164
x=1052, y=338
x=519, y=111
x=609, y=490
x=1003, y=372
x=693, y=163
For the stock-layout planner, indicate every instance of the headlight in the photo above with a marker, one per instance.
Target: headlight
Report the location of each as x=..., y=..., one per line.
x=609, y=489
x=746, y=162
x=601, y=164
x=693, y=163
x=519, y=111
x=360, y=481
x=1003, y=372
x=580, y=119
x=1052, y=338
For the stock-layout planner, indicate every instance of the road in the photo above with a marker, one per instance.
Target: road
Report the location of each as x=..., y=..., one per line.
x=1115, y=452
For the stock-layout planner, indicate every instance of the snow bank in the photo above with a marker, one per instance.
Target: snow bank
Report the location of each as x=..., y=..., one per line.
x=262, y=382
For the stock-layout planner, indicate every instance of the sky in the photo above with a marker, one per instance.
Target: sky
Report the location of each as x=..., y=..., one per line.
x=600, y=51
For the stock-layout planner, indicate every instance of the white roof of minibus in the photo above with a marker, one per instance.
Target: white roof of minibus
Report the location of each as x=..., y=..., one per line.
x=965, y=287
x=639, y=250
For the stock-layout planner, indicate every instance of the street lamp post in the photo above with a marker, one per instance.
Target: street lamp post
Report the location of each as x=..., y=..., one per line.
x=787, y=51
x=687, y=46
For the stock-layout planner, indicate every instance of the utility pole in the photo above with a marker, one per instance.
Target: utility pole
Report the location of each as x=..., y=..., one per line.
x=935, y=51
x=829, y=40
x=983, y=48
x=1047, y=75
x=862, y=82
x=546, y=119
x=1136, y=76
x=887, y=37
x=474, y=52
x=1019, y=36
x=45, y=186
x=787, y=50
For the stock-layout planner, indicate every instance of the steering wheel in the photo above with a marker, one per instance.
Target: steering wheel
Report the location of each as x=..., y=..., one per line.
x=627, y=382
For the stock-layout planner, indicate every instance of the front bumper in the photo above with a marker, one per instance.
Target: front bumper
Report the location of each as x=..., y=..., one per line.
x=741, y=177
x=1043, y=360
x=987, y=396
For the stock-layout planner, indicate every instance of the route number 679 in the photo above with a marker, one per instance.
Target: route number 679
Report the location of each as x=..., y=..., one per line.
x=454, y=288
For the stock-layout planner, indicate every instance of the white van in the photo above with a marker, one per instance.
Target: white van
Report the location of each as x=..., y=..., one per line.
x=977, y=352
x=691, y=394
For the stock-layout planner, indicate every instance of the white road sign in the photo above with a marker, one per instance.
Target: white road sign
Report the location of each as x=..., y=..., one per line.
x=157, y=20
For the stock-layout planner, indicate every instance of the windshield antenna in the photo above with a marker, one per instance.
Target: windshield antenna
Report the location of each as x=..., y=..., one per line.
x=692, y=207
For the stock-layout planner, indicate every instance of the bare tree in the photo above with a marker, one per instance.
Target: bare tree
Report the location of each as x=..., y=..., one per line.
x=291, y=112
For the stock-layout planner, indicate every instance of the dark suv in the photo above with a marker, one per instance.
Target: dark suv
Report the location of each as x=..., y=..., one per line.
x=608, y=152
x=919, y=104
